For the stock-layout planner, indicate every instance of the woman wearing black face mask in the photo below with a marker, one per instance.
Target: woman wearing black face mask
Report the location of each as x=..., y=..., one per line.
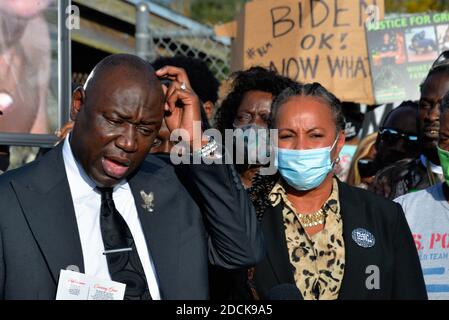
x=247, y=107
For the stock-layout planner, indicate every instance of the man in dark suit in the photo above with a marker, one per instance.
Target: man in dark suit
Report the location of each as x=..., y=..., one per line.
x=93, y=203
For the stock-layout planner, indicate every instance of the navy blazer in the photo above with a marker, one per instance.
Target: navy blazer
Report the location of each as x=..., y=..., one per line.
x=201, y=215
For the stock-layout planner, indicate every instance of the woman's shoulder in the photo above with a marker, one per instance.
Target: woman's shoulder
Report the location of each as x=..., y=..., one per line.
x=350, y=193
x=372, y=206
x=364, y=207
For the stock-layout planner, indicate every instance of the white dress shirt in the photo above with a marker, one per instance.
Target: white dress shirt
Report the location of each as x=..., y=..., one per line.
x=87, y=203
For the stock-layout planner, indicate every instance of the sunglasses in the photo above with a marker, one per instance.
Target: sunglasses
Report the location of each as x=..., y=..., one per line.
x=392, y=136
x=442, y=60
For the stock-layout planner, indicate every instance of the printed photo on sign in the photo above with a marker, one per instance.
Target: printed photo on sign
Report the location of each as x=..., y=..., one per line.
x=421, y=44
x=387, y=52
x=388, y=48
x=401, y=51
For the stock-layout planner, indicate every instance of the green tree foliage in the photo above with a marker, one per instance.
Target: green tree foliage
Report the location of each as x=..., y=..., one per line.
x=412, y=6
x=213, y=12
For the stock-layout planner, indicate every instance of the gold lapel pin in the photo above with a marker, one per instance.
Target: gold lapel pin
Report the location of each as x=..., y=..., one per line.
x=148, y=200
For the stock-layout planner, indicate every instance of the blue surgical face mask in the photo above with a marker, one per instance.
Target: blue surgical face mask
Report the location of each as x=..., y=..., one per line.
x=304, y=169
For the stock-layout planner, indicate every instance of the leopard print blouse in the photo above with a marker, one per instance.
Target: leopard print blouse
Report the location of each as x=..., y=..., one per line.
x=318, y=261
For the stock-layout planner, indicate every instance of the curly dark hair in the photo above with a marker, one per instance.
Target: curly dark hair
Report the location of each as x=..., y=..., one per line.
x=255, y=78
x=201, y=78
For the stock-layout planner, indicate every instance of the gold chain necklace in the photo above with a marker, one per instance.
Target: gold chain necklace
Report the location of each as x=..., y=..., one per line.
x=313, y=219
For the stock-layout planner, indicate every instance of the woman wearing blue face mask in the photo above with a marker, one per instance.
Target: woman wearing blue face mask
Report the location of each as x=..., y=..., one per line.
x=325, y=239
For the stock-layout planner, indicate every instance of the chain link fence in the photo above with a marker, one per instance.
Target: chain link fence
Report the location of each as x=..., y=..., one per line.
x=205, y=46
x=216, y=53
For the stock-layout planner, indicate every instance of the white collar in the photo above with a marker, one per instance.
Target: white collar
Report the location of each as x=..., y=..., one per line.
x=435, y=168
x=81, y=185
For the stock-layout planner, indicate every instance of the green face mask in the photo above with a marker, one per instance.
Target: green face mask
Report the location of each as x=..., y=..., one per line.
x=444, y=160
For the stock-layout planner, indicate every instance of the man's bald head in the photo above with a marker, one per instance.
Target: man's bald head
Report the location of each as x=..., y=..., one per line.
x=127, y=66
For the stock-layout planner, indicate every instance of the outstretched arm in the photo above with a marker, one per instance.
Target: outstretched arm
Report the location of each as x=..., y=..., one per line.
x=235, y=239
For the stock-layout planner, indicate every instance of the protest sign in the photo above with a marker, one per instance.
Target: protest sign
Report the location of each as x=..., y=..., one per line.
x=401, y=52
x=310, y=41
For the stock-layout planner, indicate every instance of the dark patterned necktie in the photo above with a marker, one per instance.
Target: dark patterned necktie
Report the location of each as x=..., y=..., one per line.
x=123, y=260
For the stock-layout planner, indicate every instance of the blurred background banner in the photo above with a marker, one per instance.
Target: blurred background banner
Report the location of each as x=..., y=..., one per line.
x=309, y=41
x=30, y=78
x=401, y=52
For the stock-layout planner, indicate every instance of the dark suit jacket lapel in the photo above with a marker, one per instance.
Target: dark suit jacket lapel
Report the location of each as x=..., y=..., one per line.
x=277, y=252
x=47, y=204
x=356, y=257
x=160, y=230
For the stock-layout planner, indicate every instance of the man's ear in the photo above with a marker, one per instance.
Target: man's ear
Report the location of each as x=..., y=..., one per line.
x=209, y=109
x=78, y=98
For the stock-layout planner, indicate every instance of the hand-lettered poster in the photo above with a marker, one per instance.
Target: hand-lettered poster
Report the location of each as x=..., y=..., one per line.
x=310, y=41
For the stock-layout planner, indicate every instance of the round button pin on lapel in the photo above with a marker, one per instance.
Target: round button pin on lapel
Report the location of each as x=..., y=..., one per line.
x=363, y=238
